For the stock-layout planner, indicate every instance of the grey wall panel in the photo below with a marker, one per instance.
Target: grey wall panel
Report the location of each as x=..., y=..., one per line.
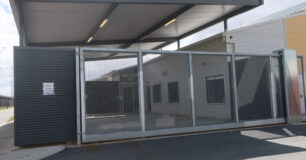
x=43, y=119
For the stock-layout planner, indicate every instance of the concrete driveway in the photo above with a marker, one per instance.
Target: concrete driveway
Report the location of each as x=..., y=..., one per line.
x=6, y=130
x=5, y=115
x=6, y=138
x=280, y=142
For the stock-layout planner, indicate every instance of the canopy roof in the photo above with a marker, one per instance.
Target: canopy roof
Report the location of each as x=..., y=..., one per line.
x=144, y=24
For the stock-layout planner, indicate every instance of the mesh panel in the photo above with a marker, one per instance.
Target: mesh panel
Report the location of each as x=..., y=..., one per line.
x=168, y=105
x=212, y=89
x=252, y=79
x=112, y=98
x=112, y=103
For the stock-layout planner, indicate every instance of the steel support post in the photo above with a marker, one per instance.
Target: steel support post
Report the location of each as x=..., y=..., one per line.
x=234, y=88
x=272, y=89
x=78, y=108
x=83, y=98
x=191, y=90
x=141, y=92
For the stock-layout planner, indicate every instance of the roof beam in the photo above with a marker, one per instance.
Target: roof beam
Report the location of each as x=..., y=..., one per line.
x=17, y=4
x=101, y=20
x=101, y=42
x=157, y=26
x=162, y=23
x=106, y=58
x=201, y=2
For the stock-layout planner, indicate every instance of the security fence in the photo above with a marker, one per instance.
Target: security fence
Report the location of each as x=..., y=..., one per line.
x=139, y=93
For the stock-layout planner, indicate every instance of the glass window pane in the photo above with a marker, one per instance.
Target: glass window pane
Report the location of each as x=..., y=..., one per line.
x=157, y=93
x=173, y=92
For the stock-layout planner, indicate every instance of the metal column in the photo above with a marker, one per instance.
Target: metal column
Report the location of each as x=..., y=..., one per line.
x=191, y=91
x=234, y=87
x=141, y=92
x=78, y=108
x=83, y=98
x=272, y=89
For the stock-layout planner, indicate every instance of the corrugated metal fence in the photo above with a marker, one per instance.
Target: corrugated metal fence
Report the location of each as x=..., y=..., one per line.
x=43, y=118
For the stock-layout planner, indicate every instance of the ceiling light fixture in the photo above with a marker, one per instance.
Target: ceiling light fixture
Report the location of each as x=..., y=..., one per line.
x=90, y=39
x=173, y=20
x=103, y=23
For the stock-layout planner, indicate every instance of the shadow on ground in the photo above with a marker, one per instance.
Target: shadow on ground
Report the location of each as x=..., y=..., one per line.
x=240, y=144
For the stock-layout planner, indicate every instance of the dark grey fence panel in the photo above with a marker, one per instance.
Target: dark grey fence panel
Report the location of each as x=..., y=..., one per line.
x=98, y=102
x=43, y=118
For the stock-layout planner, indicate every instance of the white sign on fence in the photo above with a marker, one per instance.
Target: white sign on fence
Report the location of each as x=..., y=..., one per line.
x=48, y=88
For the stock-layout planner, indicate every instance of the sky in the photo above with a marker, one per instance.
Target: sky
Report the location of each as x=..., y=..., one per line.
x=9, y=35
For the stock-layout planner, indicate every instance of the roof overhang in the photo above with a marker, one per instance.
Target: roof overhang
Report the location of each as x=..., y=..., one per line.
x=119, y=23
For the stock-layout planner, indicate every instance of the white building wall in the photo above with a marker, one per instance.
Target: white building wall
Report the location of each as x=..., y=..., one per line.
x=213, y=44
x=259, y=38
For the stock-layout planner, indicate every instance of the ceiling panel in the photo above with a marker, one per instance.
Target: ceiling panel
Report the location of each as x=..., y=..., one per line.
x=61, y=22
x=193, y=18
x=130, y=20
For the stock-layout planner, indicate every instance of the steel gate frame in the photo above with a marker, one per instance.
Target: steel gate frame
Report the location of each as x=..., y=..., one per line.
x=81, y=105
x=301, y=57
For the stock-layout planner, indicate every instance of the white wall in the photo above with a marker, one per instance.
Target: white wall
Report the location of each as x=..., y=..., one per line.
x=259, y=38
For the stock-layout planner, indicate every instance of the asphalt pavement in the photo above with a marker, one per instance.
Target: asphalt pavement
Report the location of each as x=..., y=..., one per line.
x=279, y=142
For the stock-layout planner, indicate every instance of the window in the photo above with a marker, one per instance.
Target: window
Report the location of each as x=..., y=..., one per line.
x=173, y=92
x=215, y=89
x=157, y=93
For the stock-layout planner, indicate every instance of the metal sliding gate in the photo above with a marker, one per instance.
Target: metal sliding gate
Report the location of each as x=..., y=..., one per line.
x=140, y=93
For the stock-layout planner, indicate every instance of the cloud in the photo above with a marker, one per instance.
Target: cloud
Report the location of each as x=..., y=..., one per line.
x=8, y=38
